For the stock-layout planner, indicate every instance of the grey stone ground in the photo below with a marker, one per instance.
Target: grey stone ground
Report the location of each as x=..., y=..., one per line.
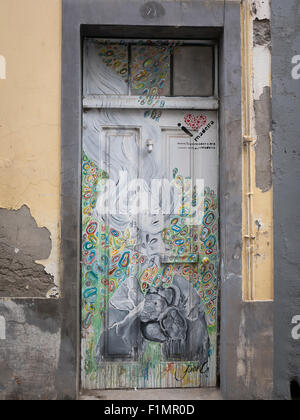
x=155, y=394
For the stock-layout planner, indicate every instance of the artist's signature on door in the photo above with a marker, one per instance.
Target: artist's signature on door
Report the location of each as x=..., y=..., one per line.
x=181, y=373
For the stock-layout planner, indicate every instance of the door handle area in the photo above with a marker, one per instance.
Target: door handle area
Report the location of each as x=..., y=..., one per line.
x=149, y=145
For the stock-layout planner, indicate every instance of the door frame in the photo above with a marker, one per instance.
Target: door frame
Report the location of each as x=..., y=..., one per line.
x=217, y=20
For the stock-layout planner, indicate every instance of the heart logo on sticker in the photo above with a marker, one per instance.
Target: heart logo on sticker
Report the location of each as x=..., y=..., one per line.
x=195, y=122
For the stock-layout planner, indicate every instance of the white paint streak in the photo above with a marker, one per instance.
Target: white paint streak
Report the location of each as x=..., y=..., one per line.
x=262, y=62
x=53, y=293
x=263, y=9
x=2, y=67
x=2, y=328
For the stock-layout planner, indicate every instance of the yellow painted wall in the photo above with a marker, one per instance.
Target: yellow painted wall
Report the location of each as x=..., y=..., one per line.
x=30, y=41
x=258, y=279
x=263, y=250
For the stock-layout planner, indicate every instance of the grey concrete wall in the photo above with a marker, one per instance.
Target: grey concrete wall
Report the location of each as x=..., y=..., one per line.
x=286, y=157
x=29, y=322
x=246, y=346
x=29, y=353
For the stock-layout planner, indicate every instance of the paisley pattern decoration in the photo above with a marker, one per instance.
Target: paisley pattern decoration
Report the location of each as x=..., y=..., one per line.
x=149, y=281
x=150, y=70
x=121, y=68
x=111, y=260
x=115, y=56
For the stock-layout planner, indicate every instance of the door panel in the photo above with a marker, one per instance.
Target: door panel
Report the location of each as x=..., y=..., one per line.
x=149, y=249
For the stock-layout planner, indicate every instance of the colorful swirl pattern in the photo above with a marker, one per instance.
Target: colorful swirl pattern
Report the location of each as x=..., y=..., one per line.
x=109, y=256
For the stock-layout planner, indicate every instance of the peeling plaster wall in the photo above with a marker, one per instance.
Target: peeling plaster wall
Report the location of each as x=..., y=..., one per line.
x=261, y=128
x=30, y=41
x=248, y=373
x=38, y=337
x=30, y=329
x=263, y=157
x=259, y=103
x=22, y=243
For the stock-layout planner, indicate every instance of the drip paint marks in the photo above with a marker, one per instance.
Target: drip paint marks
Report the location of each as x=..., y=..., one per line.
x=149, y=279
x=158, y=312
x=115, y=56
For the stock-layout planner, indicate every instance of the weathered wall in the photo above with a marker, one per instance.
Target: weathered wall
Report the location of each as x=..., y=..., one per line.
x=30, y=45
x=261, y=128
x=39, y=336
x=30, y=352
x=257, y=175
x=286, y=153
x=30, y=39
x=248, y=372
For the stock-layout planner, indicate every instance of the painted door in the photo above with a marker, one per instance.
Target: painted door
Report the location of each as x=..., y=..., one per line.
x=149, y=237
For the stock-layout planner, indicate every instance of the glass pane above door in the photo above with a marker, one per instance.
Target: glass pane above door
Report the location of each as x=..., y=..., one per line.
x=193, y=71
x=148, y=68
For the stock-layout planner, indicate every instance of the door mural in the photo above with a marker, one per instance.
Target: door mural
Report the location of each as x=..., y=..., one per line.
x=149, y=231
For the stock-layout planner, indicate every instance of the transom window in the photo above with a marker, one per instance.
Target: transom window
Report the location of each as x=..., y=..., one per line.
x=150, y=69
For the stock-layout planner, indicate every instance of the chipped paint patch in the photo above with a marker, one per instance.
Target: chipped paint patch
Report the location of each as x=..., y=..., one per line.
x=258, y=286
x=22, y=243
x=263, y=126
x=261, y=9
x=262, y=61
x=53, y=293
x=262, y=32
